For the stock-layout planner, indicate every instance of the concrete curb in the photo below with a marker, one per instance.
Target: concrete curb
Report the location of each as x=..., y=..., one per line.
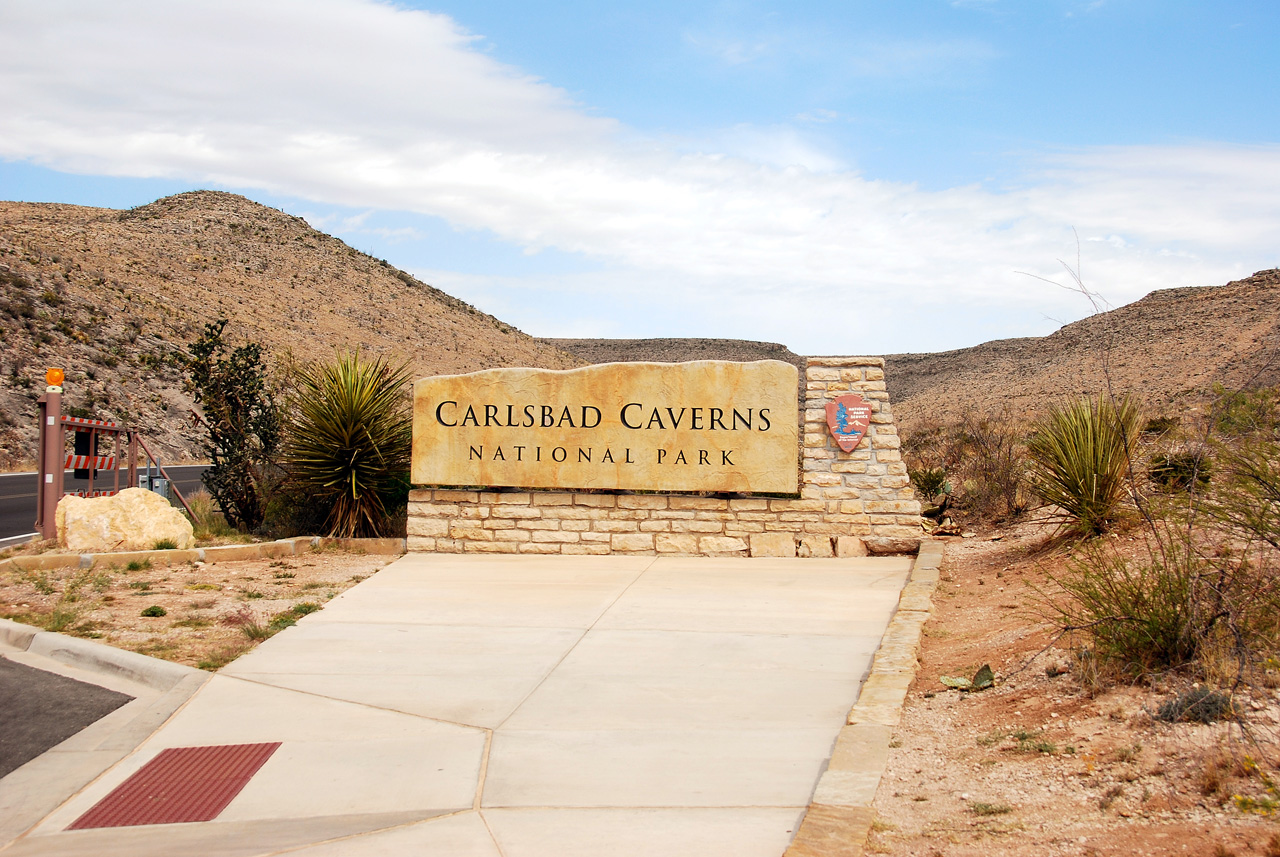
x=221, y=553
x=94, y=657
x=839, y=817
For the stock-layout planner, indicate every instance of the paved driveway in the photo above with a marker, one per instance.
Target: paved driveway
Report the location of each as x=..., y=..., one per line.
x=530, y=706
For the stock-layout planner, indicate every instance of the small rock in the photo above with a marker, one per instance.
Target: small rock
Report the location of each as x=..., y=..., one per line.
x=967, y=535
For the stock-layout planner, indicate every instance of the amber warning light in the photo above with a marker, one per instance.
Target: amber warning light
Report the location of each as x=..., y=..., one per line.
x=54, y=378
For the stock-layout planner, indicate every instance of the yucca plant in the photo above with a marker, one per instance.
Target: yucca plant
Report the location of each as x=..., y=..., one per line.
x=350, y=439
x=1081, y=457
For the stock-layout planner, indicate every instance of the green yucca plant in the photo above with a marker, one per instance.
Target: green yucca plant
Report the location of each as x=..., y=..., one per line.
x=350, y=439
x=1080, y=459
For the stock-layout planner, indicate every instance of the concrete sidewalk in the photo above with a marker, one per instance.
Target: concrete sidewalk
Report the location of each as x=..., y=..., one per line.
x=530, y=706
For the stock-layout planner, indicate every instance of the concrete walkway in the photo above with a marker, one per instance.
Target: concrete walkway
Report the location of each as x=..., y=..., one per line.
x=530, y=706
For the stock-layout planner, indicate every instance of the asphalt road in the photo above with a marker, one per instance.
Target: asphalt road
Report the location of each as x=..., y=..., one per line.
x=18, y=495
x=43, y=709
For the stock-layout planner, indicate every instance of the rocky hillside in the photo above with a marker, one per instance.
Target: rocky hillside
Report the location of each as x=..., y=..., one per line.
x=1169, y=348
x=674, y=350
x=113, y=297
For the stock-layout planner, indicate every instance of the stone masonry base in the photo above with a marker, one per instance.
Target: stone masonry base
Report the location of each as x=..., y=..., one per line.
x=849, y=504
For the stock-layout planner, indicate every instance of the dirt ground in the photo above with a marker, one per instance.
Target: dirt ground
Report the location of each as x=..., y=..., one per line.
x=201, y=614
x=1047, y=762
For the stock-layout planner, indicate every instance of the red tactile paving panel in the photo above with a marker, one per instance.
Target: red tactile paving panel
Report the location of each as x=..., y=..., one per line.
x=179, y=785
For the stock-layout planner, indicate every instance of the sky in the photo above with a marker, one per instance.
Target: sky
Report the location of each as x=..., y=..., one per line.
x=844, y=177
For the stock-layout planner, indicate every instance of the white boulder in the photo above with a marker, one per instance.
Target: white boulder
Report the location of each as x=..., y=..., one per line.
x=134, y=519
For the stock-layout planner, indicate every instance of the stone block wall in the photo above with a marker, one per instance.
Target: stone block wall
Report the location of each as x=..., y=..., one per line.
x=850, y=503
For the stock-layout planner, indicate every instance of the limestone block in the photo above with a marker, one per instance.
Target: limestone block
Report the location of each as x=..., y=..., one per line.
x=642, y=501
x=703, y=503
x=512, y=536
x=599, y=550
x=721, y=544
x=433, y=510
x=676, y=543
x=491, y=547
x=552, y=498
x=537, y=547
x=505, y=497
x=816, y=546
x=814, y=373
x=555, y=536
x=449, y=496
x=615, y=526
x=773, y=544
x=797, y=505
x=134, y=519
x=849, y=546
x=421, y=543
x=885, y=545
x=576, y=526
x=749, y=504
x=469, y=532
x=739, y=528
x=599, y=501
x=655, y=526
x=697, y=527
x=427, y=526
x=630, y=426
x=631, y=542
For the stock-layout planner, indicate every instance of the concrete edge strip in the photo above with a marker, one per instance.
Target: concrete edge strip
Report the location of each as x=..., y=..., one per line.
x=840, y=815
x=219, y=553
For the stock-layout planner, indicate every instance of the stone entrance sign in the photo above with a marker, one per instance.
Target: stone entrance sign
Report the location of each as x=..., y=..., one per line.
x=708, y=425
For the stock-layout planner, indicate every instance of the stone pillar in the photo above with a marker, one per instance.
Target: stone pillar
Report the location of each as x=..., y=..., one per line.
x=867, y=488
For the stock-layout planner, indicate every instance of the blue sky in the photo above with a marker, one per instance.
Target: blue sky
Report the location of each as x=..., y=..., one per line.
x=842, y=177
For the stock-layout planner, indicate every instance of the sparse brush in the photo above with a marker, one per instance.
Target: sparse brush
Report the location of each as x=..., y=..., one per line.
x=1080, y=455
x=207, y=521
x=349, y=443
x=1198, y=705
x=249, y=624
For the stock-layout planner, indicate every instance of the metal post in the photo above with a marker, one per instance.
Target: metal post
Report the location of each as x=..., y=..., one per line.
x=133, y=459
x=49, y=488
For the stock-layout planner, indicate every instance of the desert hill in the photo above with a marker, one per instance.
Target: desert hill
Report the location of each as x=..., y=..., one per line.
x=674, y=350
x=1169, y=349
x=112, y=296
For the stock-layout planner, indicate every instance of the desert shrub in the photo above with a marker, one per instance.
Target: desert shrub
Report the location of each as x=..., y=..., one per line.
x=1212, y=607
x=1247, y=499
x=978, y=460
x=1080, y=460
x=1179, y=470
x=991, y=452
x=293, y=510
x=154, y=611
x=929, y=481
x=349, y=441
x=1243, y=412
x=206, y=520
x=1199, y=705
x=241, y=421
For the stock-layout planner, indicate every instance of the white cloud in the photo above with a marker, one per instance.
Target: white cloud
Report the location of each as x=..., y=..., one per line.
x=762, y=235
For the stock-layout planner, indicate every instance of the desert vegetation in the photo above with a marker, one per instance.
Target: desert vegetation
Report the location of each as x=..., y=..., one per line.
x=1199, y=492
x=321, y=447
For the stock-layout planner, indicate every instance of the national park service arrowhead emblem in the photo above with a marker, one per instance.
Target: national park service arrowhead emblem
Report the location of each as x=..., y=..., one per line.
x=848, y=417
